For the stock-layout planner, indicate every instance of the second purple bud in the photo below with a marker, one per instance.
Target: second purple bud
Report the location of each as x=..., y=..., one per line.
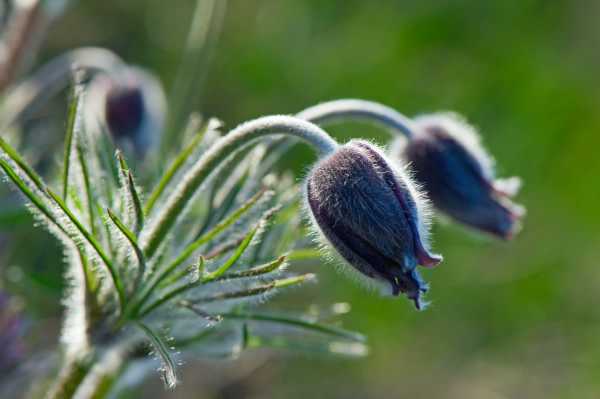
x=458, y=175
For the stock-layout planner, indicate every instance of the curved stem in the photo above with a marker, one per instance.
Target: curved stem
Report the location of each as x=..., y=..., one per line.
x=103, y=374
x=91, y=376
x=53, y=77
x=238, y=138
x=69, y=378
x=351, y=109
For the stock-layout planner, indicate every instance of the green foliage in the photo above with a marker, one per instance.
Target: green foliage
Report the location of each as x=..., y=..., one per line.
x=100, y=220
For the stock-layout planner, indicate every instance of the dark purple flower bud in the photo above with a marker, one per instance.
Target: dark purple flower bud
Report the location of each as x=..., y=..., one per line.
x=373, y=216
x=124, y=110
x=130, y=104
x=458, y=175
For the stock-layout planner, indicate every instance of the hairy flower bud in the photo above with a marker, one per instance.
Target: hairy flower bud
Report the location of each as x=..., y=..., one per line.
x=373, y=216
x=458, y=175
x=130, y=104
x=124, y=110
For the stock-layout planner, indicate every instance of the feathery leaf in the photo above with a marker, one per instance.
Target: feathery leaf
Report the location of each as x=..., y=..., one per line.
x=87, y=237
x=175, y=166
x=206, y=278
x=14, y=156
x=219, y=228
x=162, y=350
x=133, y=241
x=73, y=125
x=132, y=199
x=256, y=290
x=87, y=186
x=297, y=322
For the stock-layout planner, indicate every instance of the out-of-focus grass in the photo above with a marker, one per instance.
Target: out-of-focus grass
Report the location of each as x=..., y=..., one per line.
x=508, y=319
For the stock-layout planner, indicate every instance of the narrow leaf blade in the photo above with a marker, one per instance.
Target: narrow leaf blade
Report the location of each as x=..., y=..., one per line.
x=134, y=245
x=162, y=350
x=87, y=237
x=175, y=166
x=72, y=122
x=297, y=322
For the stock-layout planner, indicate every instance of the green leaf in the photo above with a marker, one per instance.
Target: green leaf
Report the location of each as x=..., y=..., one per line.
x=133, y=197
x=256, y=290
x=206, y=278
x=233, y=258
x=108, y=234
x=195, y=269
x=87, y=237
x=296, y=322
x=219, y=228
x=134, y=244
x=20, y=162
x=137, y=203
x=225, y=173
x=207, y=316
x=87, y=187
x=40, y=205
x=105, y=151
x=175, y=166
x=238, y=139
x=255, y=271
x=73, y=125
x=36, y=200
x=169, y=370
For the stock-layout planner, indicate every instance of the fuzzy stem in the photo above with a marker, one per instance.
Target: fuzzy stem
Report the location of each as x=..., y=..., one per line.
x=338, y=111
x=238, y=138
x=91, y=376
x=51, y=78
x=101, y=377
x=69, y=379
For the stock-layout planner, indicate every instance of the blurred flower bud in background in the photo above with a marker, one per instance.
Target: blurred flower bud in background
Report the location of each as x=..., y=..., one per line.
x=373, y=216
x=458, y=174
x=130, y=104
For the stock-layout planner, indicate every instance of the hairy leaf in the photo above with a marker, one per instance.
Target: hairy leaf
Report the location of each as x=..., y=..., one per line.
x=169, y=368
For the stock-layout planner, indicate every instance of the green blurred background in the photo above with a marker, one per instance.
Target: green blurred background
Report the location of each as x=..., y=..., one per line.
x=508, y=320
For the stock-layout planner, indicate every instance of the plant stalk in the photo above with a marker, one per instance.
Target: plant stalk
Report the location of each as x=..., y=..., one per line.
x=70, y=378
x=339, y=111
x=240, y=137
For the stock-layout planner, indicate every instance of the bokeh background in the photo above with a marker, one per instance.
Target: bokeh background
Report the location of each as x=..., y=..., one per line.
x=508, y=320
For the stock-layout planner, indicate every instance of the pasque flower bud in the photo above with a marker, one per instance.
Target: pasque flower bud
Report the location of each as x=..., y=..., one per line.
x=124, y=109
x=458, y=175
x=373, y=216
x=130, y=103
